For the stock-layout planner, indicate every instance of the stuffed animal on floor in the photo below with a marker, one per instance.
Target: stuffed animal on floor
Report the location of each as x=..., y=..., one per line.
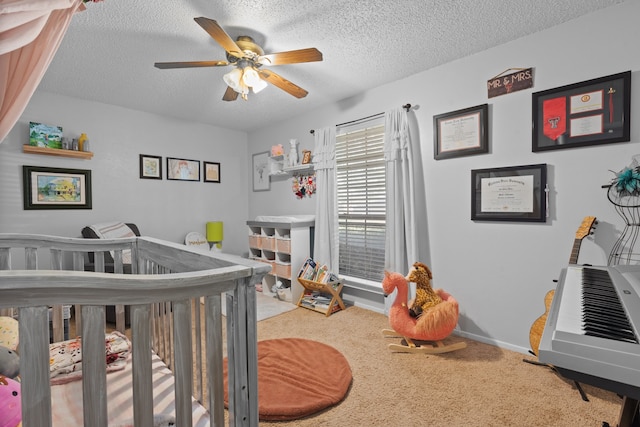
x=426, y=297
x=10, y=403
x=434, y=324
x=9, y=362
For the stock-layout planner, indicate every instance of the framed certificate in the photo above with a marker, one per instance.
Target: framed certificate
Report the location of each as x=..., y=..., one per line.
x=587, y=113
x=515, y=193
x=461, y=133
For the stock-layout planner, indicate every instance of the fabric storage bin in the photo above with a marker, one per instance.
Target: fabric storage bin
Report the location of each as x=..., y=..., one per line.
x=283, y=245
x=283, y=270
x=254, y=241
x=268, y=243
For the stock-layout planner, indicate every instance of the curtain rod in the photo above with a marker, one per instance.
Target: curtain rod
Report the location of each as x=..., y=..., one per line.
x=405, y=106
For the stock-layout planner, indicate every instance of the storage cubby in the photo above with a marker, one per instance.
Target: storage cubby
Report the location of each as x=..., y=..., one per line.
x=282, y=243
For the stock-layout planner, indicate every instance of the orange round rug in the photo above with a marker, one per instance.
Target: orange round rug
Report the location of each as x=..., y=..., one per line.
x=297, y=377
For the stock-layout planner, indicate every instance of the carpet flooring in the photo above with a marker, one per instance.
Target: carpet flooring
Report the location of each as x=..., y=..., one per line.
x=481, y=385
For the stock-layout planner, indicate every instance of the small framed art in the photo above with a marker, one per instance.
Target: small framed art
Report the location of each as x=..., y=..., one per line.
x=461, y=133
x=260, y=167
x=306, y=157
x=183, y=169
x=516, y=193
x=56, y=188
x=211, y=172
x=592, y=112
x=150, y=167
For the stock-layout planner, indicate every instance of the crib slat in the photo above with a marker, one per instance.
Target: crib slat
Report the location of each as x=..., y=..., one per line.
x=31, y=258
x=34, y=367
x=213, y=332
x=94, y=366
x=5, y=259
x=141, y=351
x=183, y=362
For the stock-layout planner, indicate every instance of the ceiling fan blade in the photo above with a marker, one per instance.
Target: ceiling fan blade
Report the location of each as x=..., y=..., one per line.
x=220, y=35
x=230, y=95
x=291, y=57
x=192, y=64
x=282, y=83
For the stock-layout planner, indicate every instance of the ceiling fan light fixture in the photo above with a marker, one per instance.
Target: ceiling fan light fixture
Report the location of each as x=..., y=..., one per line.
x=233, y=78
x=259, y=85
x=250, y=76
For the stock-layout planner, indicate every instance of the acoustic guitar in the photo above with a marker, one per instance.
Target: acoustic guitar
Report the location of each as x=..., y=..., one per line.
x=535, y=334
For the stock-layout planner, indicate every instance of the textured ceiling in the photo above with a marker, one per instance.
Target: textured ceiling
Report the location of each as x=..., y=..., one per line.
x=109, y=50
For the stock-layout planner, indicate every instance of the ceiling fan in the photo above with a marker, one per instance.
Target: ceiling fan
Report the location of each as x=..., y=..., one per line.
x=248, y=59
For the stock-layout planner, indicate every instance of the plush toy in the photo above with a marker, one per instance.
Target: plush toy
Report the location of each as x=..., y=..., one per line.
x=277, y=150
x=426, y=297
x=435, y=324
x=10, y=403
x=9, y=332
x=9, y=362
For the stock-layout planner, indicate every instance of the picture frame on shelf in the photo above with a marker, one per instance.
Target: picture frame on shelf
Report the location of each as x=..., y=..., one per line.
x=260, y=168
x=515, y=193
x=461, y=133
x=306, y=157
x=56, y=188
x=591, y=112
x=150, y=167
x=211, y=172
x=183, y=169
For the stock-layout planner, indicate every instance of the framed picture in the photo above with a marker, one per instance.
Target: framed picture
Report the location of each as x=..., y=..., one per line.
x=516, y=193
x=56, y=188
x=150, y=167
x=587, y=113
x=211, y=172
x=183, y=169
x=260, y=167
x=306, y=157
x=461, y=133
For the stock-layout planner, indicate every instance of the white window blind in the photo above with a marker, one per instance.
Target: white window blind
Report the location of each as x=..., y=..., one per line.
x=361, y=186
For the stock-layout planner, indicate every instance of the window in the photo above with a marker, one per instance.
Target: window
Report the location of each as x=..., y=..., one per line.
x=361, y=187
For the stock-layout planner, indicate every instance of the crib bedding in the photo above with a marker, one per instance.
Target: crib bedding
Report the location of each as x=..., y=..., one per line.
x=66, y=399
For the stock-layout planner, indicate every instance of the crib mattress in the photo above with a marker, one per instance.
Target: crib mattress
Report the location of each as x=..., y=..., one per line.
x=67, y=399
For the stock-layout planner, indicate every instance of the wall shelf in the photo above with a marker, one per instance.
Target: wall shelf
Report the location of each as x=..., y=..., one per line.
x=57, y=152
x=277, y=167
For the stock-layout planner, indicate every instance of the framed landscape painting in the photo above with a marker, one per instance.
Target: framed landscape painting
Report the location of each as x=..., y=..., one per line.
x=56, y=188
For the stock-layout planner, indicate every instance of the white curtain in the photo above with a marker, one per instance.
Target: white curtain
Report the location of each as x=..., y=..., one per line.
x=325, y=248
x=401, y=244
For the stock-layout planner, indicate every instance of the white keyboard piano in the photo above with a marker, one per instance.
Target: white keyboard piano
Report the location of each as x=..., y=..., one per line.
x=593, y=329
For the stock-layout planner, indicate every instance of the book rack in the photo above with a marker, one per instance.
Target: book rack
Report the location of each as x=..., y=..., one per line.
x=330, y=290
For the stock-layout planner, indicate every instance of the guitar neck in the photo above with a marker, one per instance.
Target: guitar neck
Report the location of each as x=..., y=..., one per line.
x=575, y=252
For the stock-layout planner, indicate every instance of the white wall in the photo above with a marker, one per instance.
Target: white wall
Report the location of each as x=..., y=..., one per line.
x=161, y=208
x=498, y=271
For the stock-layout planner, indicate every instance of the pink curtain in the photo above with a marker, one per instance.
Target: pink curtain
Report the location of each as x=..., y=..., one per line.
x=30, y=34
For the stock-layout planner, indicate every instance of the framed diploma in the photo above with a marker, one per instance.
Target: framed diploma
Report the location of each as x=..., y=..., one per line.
x=515, y=193
x=461, y=133
x=587, y=113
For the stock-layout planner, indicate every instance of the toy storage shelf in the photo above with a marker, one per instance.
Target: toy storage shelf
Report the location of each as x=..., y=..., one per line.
x=282, y=243
x=57, y=152
x=336, y=303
